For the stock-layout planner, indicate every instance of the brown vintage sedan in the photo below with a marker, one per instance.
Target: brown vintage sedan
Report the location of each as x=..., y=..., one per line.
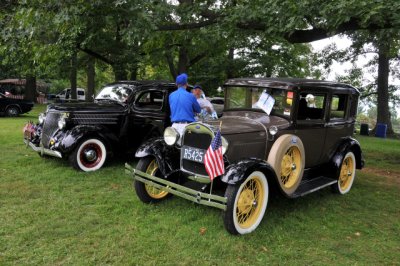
x=289, y=135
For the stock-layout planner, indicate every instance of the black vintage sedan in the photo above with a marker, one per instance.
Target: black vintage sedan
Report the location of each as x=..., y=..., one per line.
x=14, y=107
x=121, y=117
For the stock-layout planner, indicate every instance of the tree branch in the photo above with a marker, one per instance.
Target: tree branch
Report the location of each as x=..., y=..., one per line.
x=95, y=55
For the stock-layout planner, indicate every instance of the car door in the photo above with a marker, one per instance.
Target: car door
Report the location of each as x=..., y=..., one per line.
x=148, y=114
x=339, y=123
x=310, y=123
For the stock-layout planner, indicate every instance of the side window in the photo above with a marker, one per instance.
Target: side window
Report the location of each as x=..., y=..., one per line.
x=150, y=100
x=311, y=106
x=338, y=106
x=217, y=101
x=81, y=93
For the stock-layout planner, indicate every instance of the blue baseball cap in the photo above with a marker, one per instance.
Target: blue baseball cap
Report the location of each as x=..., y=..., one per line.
x=182, y=79
x=197, y=86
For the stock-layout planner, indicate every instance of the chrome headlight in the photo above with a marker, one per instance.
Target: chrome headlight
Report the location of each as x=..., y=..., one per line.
x=273, y=130
x=42, y=118
x=62, y=123
x=225, y=145
x=171, y=136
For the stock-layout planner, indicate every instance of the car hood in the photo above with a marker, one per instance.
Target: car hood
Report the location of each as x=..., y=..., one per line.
x=239, y=122
x=87, y=107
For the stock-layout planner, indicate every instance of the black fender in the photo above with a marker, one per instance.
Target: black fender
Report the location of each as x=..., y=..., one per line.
x=68, y=140
x=167, y=156
x=347, y=144
x=238, y=171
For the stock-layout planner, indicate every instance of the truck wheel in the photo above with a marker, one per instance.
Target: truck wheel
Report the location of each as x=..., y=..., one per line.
x=12, y=111
x=246, y=204
x=288, y=159
x=147, y=193
x=346, y=175
x=89, y=155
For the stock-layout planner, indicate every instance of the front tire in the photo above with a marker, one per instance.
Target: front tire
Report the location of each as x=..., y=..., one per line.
x=246, y=204
x=147, y=193
x=346, y=175
x=90, y=155
x=12, y=111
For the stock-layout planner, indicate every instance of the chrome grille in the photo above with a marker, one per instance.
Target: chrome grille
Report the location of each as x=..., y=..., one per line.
x=50, y=127
x=200, y=139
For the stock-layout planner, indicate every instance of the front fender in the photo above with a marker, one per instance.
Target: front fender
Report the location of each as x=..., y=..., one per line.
x=69, y=139
x=346, y=145
x=167, y=156
x=237, y=172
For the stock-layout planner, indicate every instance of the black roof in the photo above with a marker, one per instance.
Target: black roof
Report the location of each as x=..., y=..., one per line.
x=288, y=83
x=142, y=82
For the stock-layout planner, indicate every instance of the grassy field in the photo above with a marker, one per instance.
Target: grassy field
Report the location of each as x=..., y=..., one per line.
x=51, y=214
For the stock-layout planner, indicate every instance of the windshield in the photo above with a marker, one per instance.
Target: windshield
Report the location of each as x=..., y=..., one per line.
x=248, y=98
x=115, y=93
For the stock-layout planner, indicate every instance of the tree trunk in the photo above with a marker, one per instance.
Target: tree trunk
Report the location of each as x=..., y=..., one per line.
x=73, y=74
x=91, y=74
x=171, y=66
x=383, y=114
x=134, y=72
x=183, y=60
x=30, y=89
x=230, y=72
x=119, y=72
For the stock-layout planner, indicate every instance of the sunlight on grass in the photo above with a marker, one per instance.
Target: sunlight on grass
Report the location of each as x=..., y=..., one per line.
x=52, y=214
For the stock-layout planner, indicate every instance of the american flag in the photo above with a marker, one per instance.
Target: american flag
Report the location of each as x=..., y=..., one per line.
x=213, y=160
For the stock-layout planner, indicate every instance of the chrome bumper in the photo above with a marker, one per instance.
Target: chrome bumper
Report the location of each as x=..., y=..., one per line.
x=42, y=150
x=178, y=190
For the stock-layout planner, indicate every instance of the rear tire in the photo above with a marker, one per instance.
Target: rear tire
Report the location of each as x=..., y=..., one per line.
x=12, y=111
x=89, y=155
x=346, y=175
x=147, y=193
x=246, y=204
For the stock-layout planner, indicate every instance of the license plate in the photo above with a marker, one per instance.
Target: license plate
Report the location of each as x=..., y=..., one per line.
x=192, y=154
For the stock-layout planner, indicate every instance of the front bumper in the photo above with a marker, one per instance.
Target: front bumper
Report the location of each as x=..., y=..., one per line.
x=178, y=190
x=42, y=150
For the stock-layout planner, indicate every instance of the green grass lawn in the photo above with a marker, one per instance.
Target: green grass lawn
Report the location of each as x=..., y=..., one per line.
x=52, y=214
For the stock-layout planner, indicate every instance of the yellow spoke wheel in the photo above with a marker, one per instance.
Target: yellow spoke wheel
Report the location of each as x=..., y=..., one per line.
x=147, y=193
x=154, y=192
x=290, y=167
x=246, y=204
x=346, y=175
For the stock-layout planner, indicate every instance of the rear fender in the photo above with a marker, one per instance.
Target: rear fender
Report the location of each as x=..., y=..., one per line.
x=237, y=172
x=167, y=156
x=71, y=138
x=346, y=145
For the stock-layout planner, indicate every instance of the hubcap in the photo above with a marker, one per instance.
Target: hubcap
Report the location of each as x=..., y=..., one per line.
x=289, y=167
x=90, y=155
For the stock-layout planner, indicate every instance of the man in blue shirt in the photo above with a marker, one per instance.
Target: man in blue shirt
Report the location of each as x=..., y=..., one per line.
x=183, y=105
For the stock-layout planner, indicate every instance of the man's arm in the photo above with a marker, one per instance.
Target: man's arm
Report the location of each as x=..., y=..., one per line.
x=196, y=105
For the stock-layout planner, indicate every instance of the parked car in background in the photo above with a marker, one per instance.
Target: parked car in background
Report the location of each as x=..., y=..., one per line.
x=66, y=94
x=272, y=139
x=218, y=103
x=122, y=116
x=14, y=107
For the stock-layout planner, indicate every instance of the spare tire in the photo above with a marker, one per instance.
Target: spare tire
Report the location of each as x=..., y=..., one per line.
x=287, y=157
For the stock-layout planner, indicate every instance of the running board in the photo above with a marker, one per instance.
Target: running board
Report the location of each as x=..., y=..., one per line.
x=310, y=185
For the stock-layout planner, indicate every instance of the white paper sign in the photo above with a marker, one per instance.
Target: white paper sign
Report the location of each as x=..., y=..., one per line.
x=266, y=102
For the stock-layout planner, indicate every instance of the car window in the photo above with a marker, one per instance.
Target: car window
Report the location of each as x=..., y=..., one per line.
x=150, y=100
x=247, y=97
x=311, y=106
x=217, y=101
x=338, y=106
x=81, y=93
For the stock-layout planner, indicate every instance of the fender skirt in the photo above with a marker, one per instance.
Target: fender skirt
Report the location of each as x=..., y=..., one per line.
x=167, y=156
x=237, y=172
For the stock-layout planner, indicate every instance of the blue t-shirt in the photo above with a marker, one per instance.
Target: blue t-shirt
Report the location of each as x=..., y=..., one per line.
x=183, y=106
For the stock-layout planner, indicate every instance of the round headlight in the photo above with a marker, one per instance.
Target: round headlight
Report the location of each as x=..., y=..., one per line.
x=41, y=118
x=273, y=130
x=62, y=123
x=225, y=145
x=171, y=136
